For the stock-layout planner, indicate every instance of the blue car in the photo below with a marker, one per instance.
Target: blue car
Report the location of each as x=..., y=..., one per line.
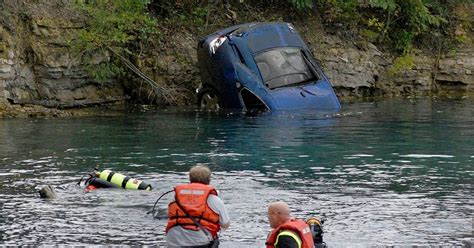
x=261, y=67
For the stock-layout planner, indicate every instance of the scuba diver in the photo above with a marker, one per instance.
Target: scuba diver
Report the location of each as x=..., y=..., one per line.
x=288, y=232
x=110, y=179
x=316, y=227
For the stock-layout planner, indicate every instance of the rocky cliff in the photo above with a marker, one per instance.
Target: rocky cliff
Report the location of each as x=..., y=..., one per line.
x=36, y=64
x=38, y=68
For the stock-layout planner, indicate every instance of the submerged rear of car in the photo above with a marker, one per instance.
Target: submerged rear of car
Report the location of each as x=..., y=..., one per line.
x=261, y=67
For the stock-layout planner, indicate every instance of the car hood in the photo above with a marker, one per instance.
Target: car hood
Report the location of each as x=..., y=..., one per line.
x=318, y=95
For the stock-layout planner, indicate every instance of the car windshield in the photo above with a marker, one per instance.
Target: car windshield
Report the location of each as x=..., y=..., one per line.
x=284, y=67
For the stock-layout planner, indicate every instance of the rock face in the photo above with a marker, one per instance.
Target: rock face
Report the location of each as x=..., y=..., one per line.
x=455, y=72
x=353, y=72
x=356, y=72
x=37, y=67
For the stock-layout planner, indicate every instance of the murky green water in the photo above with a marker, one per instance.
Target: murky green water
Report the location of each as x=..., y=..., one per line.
x=382, y=174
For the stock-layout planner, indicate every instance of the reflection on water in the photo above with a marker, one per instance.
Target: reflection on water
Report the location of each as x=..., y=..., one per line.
x=387, y=173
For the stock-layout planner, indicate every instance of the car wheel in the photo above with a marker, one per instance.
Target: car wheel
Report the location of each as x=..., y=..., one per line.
x=209, y=100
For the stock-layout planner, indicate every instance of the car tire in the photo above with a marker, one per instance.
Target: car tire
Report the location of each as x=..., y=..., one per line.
x=209, y=100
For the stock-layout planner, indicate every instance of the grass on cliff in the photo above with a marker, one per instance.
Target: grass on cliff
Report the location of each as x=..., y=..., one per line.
x=112, y=25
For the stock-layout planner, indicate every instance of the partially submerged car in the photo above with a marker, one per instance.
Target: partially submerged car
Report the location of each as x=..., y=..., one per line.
x=261, y=67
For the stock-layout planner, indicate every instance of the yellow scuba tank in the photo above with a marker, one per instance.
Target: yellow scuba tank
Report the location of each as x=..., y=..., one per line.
x=123, y=181
x=315, y=225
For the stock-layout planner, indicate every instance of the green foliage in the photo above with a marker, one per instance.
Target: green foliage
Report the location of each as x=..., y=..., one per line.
x=376, y=28
x=402, y=63
x=196, y=16
x=418, y=17
x=182, y=15
x=376, y=23
x=387, y=5
x=406, y=20
x=421, y=21
x=403, y=40
x=399, y=22
x=25, y=15
x=104, y=71
x=200, y=14
x=342, y=11
x=369, y=35
x=302, y=4
x=113, y=25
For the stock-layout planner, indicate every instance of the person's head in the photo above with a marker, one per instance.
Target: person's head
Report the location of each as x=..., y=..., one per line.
x=278, y=213
x=200, y=174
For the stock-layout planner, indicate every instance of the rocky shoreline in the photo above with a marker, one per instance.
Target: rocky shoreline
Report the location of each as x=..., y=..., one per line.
x=30, y=111
x=37, y=111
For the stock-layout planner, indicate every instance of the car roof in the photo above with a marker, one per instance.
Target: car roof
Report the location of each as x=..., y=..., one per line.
x=261, y=36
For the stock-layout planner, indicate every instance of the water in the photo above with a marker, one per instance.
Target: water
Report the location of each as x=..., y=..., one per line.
x=382, y=174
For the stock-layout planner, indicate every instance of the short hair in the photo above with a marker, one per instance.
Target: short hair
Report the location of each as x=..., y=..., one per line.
x=200, y=174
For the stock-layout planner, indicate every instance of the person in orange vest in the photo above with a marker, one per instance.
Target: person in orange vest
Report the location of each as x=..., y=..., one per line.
x=287, y=232
x=197, y=213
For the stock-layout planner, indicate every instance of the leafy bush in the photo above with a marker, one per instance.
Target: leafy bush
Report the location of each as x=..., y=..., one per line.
x=398, y=22
x=402, y=63
x=302, y=4
x=112, y=25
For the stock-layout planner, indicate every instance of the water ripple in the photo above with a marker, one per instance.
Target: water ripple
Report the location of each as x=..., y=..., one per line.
x=381, y=174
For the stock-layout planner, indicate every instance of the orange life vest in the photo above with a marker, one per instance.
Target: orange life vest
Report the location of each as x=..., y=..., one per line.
x=297, y=226
x=193, y=197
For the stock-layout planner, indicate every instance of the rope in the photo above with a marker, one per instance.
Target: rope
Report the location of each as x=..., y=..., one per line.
x=158, y=89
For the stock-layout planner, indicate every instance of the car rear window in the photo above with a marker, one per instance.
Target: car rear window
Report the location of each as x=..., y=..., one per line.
x=282, y=67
